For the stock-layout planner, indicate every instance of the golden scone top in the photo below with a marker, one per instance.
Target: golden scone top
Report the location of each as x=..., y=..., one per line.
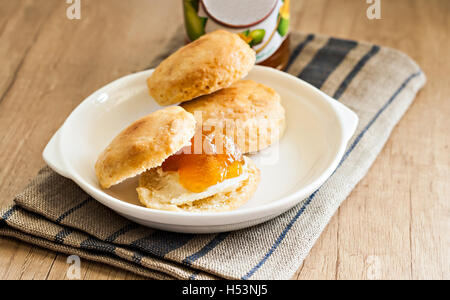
x=248, y=112
x=144, y=145
x=213, y=62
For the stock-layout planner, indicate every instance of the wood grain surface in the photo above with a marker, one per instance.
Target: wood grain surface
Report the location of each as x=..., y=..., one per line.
x=395, y=224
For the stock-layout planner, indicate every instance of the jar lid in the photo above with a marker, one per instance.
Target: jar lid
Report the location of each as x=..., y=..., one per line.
x=239, y=13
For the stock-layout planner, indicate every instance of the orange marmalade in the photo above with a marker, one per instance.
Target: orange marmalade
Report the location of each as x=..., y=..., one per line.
x=199, y=169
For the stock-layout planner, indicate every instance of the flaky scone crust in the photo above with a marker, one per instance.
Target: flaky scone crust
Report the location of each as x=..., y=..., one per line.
x=145, y=144
x=218, y=203
x=248, y=105
x=214, y=61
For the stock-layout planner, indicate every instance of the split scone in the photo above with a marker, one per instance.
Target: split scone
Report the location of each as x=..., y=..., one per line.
x=181, y=169
x=213, y=62
x=212, y=180
x=248, y=112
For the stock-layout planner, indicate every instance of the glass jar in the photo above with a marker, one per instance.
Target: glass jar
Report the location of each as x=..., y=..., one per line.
x=263, y=24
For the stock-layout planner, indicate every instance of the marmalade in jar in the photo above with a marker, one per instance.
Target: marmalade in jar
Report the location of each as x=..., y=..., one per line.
x=263, y=24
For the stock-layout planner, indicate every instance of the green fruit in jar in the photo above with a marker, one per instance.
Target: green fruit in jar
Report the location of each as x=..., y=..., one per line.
x=244, y=36
x=285, y=16
x=246, y=33
x=257, y=36
x=194, y=4
x=195, y=25
x=283, y=28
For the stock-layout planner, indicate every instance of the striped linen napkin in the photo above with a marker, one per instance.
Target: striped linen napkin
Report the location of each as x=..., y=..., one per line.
x=377, y=83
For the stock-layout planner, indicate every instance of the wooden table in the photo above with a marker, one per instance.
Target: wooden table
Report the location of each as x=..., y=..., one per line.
x=49, y=64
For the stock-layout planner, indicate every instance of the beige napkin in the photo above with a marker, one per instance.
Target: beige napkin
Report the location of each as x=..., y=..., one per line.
x=378, y=83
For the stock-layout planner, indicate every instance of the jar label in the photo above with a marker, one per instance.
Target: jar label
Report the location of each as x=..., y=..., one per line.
x=263, y=24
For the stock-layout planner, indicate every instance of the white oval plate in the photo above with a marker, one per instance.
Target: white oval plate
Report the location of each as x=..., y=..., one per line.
x=318, y=130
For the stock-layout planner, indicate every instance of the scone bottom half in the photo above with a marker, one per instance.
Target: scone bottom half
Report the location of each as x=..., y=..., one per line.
x=145, y=145
x=163, y=149
x=210, y=175
x=157, y=190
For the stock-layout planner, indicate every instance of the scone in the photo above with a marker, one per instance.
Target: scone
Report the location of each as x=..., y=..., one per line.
x=249, y=112
x=209, y=175
x=144, y=145
x=213, y=62
x=181, y=168
x=161, y=189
